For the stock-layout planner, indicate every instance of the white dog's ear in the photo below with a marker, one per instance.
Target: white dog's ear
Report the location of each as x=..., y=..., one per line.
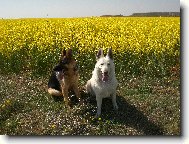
x=110, y=54
x=99, y=54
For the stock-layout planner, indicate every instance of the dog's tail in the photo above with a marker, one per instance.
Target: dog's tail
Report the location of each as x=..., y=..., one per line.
x=54, y=92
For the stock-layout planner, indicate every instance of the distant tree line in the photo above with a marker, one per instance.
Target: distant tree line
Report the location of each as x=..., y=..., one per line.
x=148, y=14
x=157, y=14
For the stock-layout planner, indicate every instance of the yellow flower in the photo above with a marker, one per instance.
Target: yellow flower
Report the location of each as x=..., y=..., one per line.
x=53, y=126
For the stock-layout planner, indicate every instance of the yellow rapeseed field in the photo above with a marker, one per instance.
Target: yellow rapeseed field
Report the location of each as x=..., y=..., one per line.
x=138, y=43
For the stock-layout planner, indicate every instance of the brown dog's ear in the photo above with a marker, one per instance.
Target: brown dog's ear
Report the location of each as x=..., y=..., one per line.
x=110, y=54
x=69, y=53
x=63, y=54
x=99, y=54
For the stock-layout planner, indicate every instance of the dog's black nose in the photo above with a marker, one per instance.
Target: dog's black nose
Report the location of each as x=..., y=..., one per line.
x=106, y=73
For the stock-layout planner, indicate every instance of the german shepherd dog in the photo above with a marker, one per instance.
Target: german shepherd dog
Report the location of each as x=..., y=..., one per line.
x=65, y=77
x=103, y=82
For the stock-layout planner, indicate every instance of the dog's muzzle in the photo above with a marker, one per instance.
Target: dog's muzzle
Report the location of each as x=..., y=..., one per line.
x=105, y=76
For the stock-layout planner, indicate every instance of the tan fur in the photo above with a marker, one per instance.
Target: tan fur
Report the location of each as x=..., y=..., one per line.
x=70, y=78
x=54, y=92
x=70, y=81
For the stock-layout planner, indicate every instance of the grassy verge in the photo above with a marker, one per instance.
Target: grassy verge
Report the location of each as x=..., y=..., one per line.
x=147, y=106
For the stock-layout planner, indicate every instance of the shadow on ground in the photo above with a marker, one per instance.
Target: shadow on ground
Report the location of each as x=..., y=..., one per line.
x=127, y=115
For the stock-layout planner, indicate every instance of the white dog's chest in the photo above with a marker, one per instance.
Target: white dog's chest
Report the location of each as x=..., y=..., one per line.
x=104, y=89
x=106, y=93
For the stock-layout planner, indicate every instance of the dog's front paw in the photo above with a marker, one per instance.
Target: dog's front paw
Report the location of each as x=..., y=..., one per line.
x=67, y=103
x=116, y=107
x=98, y=114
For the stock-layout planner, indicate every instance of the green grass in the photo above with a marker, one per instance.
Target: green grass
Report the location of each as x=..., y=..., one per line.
x=147, y=106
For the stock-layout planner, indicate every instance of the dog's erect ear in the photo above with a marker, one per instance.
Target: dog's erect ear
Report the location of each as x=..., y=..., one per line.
x=110, y=54
x=63, y=54
x=69, y=53
x=100, y=53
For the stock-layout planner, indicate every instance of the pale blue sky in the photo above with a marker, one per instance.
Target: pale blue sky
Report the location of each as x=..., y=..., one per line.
x=82, y=8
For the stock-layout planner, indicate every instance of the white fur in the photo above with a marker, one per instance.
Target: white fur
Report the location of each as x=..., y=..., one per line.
x=96, y=86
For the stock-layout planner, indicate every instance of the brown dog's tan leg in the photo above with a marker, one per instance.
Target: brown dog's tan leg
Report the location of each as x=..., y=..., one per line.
x=65, y=95
x=77, y=93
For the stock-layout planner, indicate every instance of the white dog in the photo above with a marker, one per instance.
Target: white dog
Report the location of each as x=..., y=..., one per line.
x=103, y=82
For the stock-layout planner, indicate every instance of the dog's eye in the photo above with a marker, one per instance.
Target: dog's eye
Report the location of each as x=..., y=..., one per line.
x=108, y=64
x=102, y=64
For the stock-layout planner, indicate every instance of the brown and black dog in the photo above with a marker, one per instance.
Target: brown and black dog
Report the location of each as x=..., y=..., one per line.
x=65, y=77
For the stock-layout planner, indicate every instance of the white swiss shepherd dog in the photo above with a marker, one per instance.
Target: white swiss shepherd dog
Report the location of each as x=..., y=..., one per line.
x=103, y=82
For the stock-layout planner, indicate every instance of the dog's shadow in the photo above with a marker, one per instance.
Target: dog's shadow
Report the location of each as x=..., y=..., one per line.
x=127, y=114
